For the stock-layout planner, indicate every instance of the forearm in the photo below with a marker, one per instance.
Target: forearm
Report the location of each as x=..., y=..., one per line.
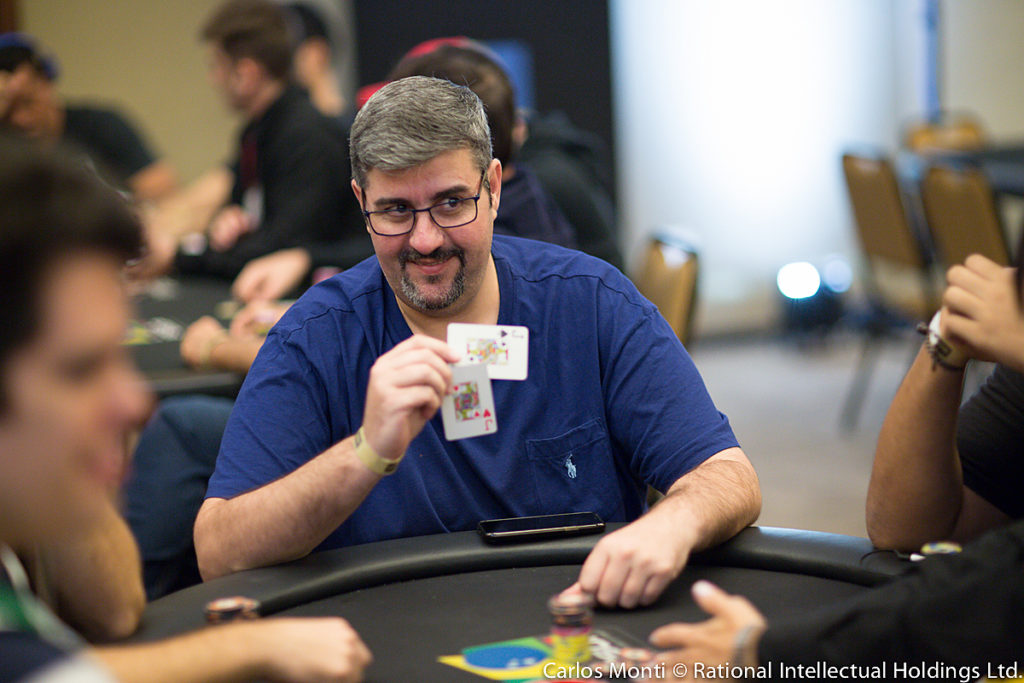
x=714, y=501
x=235, y=354
x=192, y=209
x=916, y=489
x=233, y=652
x=283, y=520
x=155, y=182
x=958, y=609
x=96, y=579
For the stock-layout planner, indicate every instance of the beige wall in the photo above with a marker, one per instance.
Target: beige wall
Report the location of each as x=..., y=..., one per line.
x=142, y=56
x=983, y=63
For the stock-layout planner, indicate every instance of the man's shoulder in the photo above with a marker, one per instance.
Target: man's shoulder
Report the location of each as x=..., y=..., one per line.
x=298, y=116
x=93, y=117
x=533, y=260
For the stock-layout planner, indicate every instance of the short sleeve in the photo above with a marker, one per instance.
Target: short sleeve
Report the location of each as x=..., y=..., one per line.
x=990, y=440
x=657, y=404
x=281, y=419
x=108, y=134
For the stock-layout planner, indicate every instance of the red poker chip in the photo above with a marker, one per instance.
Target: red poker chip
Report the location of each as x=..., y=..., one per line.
x=231, y=608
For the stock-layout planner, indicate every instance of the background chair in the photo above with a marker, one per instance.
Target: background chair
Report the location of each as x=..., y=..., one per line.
x=961, y=214
x=897, y=271
x=948, y=131
x=667, y=276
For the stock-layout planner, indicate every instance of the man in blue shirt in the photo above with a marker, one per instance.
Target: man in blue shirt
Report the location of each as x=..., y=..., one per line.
x=351, y=379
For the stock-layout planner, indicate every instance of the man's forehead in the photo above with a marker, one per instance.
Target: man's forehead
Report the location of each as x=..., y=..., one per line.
x=82, y=293
x=448, y=169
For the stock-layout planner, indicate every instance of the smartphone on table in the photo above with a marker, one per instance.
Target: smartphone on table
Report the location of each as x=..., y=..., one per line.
x=539, y=526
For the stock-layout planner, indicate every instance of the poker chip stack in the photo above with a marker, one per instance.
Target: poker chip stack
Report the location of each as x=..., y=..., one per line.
x=572, y=616
x=941, y=548
x=235, y=608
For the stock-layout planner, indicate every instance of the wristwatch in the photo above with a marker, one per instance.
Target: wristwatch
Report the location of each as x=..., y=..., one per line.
x=943, y=353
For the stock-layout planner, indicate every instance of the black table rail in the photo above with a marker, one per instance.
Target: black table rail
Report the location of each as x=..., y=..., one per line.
x=845, y=558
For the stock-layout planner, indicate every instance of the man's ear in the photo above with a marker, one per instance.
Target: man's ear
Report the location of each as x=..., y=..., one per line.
x=494, y=178
x=358, y=192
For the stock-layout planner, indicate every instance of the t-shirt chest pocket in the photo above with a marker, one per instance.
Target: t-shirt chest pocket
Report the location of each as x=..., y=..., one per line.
x=575, y=472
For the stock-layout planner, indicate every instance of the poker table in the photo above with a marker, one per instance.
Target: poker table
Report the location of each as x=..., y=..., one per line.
x=162, y=313
x=416, y=599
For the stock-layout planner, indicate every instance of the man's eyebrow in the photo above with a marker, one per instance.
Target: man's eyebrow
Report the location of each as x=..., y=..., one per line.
x=460, y=190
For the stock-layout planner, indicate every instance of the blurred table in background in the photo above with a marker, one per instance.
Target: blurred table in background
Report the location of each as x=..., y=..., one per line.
x=162, y=312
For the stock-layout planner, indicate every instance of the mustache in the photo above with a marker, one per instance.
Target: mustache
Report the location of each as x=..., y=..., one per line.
x=410, y=255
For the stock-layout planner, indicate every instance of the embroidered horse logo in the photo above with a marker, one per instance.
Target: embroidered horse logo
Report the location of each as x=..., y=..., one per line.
x=570, y=467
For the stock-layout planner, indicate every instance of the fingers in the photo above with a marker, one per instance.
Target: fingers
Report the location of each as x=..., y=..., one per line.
x=716, y=602
x=255, y=320
x=626, y=569
x=710, y=597
x=196, y=343
x=249, y=284
x=672, y=635
x=406, y=387
x=439, y=347
x=228, y=226
x=593, y=569
x=983, y=266
x=977, y=279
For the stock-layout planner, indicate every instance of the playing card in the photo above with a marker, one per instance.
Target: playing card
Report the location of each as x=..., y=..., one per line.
x=469, y=409
x=503, y=348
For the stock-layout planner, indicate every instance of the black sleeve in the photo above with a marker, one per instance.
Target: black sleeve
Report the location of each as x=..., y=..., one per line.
x=588, y=211
x=343, y=253
x=990, y=440
x=109, y=134
x=306, y=201
x=23, y=654
x=961, y=610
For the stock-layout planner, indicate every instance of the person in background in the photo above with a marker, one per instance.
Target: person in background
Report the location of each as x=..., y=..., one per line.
x=526, y=209
x=959, y=610
x=943, y=471
x=313, y=60
x=31, y=105
x=287, y=181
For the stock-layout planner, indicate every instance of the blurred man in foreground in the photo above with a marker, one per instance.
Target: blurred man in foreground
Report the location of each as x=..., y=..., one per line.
x=68, y=396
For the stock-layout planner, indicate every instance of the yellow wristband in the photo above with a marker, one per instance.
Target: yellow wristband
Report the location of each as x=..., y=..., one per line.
x=369, y=457
x=206, y=352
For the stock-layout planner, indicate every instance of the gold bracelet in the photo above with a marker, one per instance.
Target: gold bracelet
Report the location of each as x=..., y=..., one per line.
x=369, y=457
x=209, y=345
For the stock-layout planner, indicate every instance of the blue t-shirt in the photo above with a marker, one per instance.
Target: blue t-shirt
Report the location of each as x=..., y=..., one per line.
x=610, y=391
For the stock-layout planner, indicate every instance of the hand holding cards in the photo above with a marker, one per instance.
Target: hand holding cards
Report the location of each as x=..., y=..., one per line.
x=489, y=352
x=406, y=387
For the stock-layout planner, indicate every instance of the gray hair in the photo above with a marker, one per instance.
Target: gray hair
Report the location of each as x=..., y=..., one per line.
x=410, y=121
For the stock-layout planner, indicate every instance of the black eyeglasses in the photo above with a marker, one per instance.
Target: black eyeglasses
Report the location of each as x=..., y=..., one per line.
x=453, y=212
